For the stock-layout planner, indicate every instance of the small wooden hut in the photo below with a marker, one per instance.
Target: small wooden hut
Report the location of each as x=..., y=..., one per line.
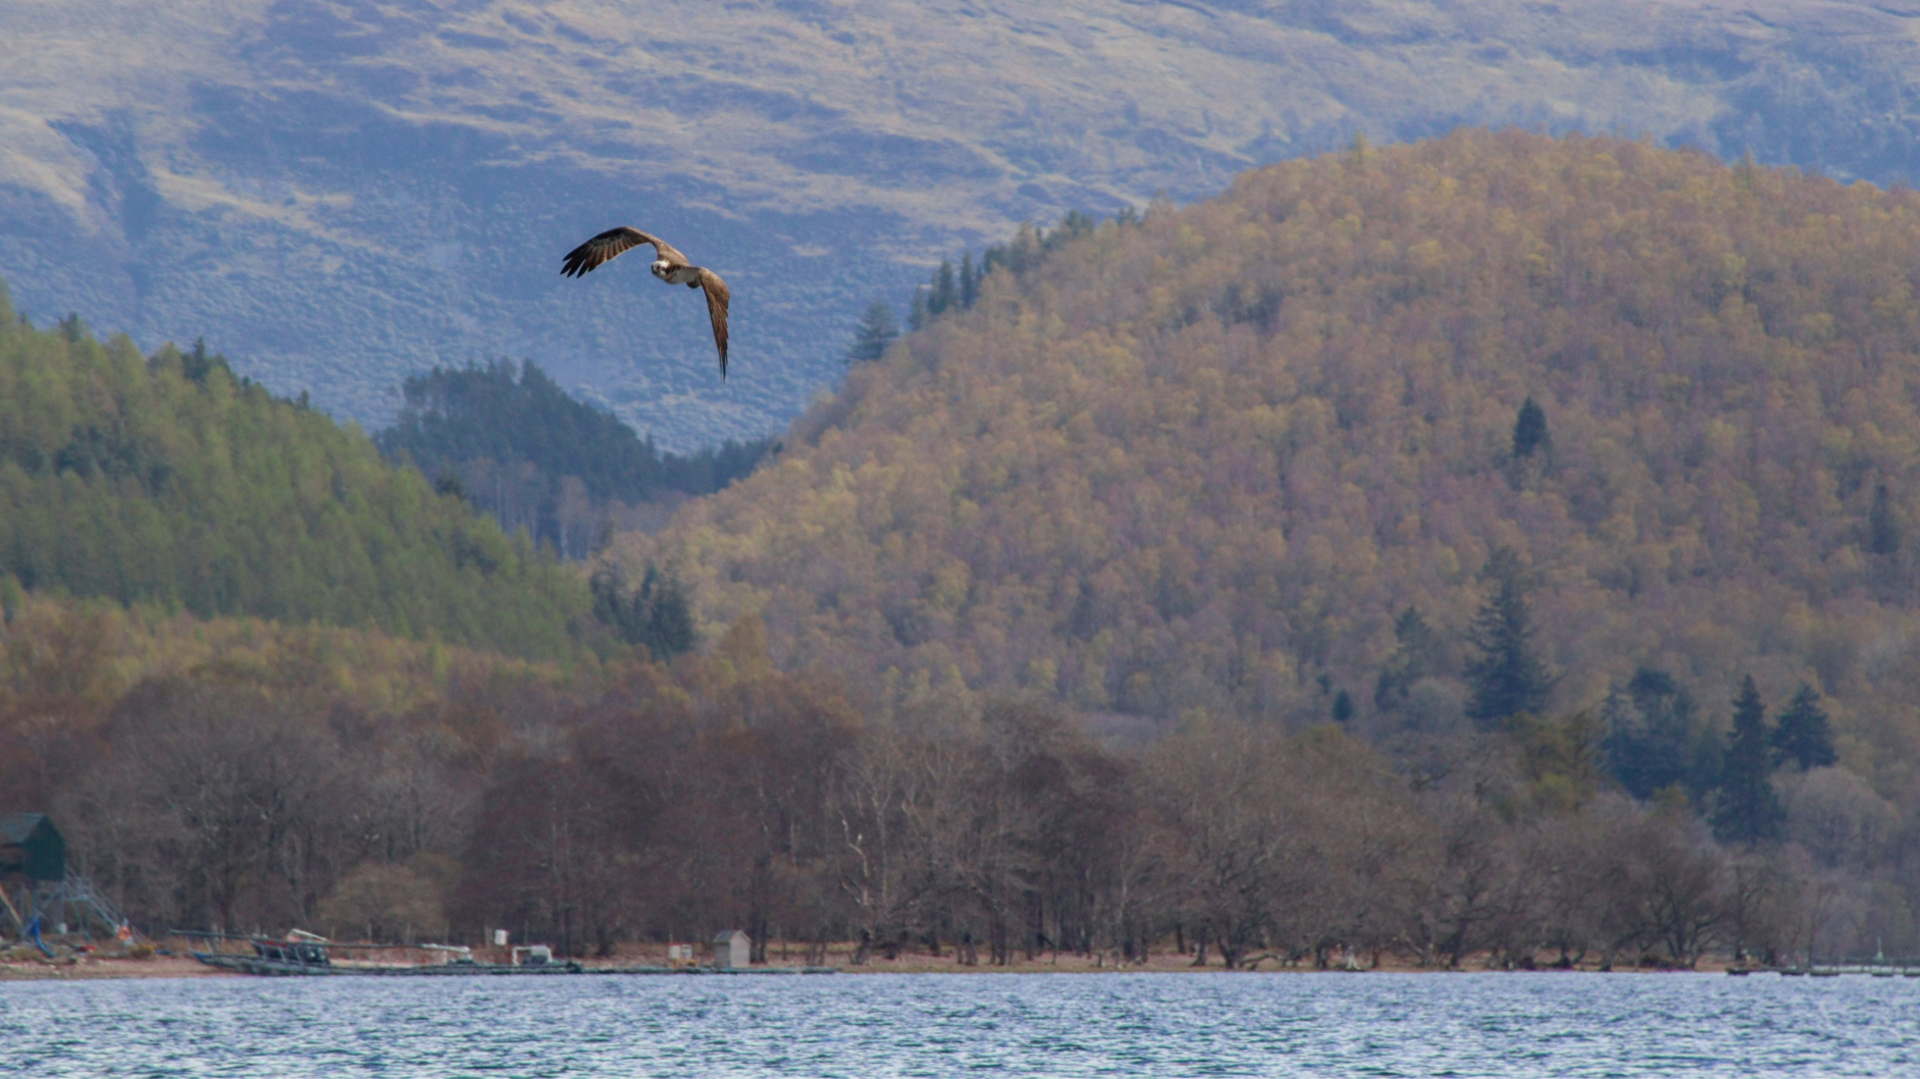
x=731, y=949
x=32, y=847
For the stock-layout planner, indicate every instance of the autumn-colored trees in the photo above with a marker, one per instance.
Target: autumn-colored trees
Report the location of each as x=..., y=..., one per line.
x=1205, y=461
x=1510, y=430
x=1207, y=477
x=253, y=777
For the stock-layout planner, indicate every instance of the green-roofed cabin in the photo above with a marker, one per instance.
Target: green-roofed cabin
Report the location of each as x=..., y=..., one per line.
x=31, y=846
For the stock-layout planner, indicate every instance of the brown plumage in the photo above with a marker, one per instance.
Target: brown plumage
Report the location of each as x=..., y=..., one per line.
x=669, y=265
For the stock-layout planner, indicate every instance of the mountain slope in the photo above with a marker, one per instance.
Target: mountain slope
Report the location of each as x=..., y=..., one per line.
x=349, y=191
x=1206, y=461
x=167, y=481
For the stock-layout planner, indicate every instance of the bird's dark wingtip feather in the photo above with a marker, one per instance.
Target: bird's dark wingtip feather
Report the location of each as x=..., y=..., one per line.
x=577, y=262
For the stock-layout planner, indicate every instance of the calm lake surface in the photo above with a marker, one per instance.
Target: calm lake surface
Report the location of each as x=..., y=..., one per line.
x=941, y=1025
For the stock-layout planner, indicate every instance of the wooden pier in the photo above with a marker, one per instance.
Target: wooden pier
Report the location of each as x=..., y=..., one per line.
x=306, y=956
x=1873, y=970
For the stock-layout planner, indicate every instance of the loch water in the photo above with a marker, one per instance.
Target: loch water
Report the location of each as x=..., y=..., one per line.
x=974, y=1024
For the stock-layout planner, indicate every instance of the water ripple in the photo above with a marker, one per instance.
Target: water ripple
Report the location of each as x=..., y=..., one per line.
x=945, y=1025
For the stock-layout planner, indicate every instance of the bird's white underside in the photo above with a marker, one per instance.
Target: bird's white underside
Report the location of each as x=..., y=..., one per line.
x=675, y=275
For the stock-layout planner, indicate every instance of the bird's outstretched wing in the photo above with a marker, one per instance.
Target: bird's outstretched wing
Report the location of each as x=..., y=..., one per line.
x=718, y=297
x=610, y=244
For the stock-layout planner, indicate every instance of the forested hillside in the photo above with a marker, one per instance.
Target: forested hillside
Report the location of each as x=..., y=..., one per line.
x=1514, y=457
x=521, y=448
x=1255, y=457
x=165, y=480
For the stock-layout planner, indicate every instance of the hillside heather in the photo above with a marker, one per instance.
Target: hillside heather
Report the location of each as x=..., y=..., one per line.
x=166, y=480
x=1205, y=461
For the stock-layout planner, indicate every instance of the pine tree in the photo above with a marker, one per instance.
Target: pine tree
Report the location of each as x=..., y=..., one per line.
x=969, y=281
x=945, y=292
x=655, y=616
x=669, y=624
x=1654, y=739
x=1802, y=737
x=1748, y=811
x=197, y=364
x=1342, y=707
x=1415, y=646
x=1530, y=431
x=876, y=333
x=1507, y=678
x=1883, y=532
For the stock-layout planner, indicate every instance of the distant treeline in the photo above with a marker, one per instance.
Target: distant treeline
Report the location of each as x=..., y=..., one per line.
x=166, y=480
x=956, y=288
x=322, y=780
x=519, y=447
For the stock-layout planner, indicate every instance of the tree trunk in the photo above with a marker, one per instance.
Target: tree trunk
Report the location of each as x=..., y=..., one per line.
x=757, y=931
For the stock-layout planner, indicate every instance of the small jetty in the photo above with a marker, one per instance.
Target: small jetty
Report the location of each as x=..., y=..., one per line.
x=1874, y=970
x=305, y=955
x=1877, y=967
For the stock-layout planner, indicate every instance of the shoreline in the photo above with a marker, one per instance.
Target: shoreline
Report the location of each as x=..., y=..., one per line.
x=84, y=967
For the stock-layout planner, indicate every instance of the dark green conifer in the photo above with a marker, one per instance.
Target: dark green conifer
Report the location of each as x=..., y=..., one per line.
x=1748, y=810
x=1883, y=531
x=1654, y=739
x=1507, y=678
x=945, y=291
x=1415, y=646
x=1802, y=738
x=669, y=630
x=656, y=615
x=969, y=281
x=1530, y=431
x=875, y=334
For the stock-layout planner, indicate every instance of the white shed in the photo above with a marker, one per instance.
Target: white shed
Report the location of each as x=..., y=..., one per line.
x=731, y=949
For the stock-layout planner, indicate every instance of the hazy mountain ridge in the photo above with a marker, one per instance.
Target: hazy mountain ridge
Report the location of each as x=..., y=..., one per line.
x=351, y=192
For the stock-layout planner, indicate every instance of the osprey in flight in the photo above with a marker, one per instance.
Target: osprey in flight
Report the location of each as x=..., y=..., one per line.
x=669, y=265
